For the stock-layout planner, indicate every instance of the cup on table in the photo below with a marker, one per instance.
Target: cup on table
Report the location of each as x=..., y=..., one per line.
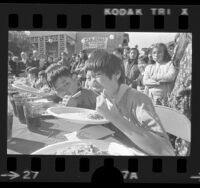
x=11, y=93
x=19, y=103
x=9, y=125
x=33, y=113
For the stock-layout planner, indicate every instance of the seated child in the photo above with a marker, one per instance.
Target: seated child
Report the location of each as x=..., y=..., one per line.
x=130, y=111
x=66, y=85
x=32, y=76
x=42, y=82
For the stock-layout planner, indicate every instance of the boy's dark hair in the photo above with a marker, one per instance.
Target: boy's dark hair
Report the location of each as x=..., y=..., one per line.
x=108, y=64
x=33, y=70
x=57, y=73
x=42, y=73
x=167, y=56
x=52, y=67
x=118, y=50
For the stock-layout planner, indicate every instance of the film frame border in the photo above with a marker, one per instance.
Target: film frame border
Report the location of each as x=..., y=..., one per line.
x=176, y=170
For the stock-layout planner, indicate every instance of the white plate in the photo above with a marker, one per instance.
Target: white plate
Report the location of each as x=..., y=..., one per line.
x=111, y=148
x=75, y=115
x=27, y=88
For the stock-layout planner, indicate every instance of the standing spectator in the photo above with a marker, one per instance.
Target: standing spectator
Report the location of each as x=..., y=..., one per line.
x=49, y=60
x=46, y=63
x=75, y=63
x=80, y=67
x=118, y=52
x=42, y=64
x=34, y=62
x=142, y=63
x=83, y=56
x=24, y=58
x=151, y=61
x=65, y=60
x=23, y=63
x=159, y=77
x=74, y=57
x=131, y=68
x=13, y=65
x=126, y=52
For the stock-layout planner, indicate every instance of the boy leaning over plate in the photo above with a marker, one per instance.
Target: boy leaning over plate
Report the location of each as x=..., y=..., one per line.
x=129, y=110
x=67, y=87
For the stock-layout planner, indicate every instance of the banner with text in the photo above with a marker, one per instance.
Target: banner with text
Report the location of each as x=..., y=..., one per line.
x=94, y=42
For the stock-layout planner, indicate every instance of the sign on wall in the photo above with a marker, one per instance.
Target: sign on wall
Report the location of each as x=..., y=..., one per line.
x=94, y=42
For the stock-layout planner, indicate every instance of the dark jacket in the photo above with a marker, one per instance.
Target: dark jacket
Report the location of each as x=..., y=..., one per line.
x=22, y=66
x=131, y=72
x=65, y=62
x=34, y=63
x=14, y=67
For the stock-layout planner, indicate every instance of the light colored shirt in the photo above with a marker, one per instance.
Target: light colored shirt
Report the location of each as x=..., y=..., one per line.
x=165, y=74
x=138, y=109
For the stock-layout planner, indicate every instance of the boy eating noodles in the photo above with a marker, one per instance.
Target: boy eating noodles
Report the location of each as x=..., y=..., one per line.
x=130, y=111
x=68, y=88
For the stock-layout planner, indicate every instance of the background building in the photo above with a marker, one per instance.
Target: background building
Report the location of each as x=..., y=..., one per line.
x=52, y=43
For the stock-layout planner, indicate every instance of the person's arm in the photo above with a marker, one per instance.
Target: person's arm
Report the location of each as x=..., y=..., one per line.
x=148, y=118
x=169, y=75
x=146, y=140
x=147, y=80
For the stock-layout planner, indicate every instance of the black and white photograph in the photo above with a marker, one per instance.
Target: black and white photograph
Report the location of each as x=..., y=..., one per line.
x=99, y=93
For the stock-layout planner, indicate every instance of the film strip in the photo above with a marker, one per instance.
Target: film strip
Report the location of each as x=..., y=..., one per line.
x=101, y=18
